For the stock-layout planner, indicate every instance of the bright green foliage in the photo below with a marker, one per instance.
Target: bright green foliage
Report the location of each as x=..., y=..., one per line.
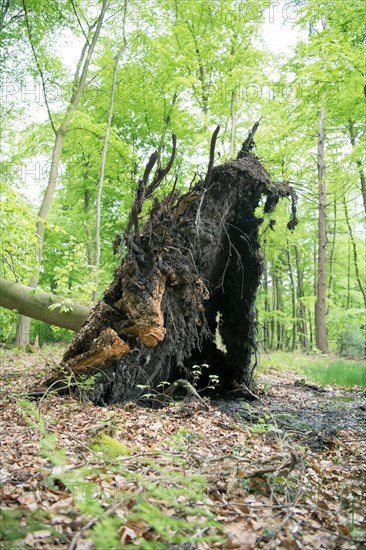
x=17, y=235
x=187, y=67
x=317, y=368
x=325, y=70
x=12, y=532
x=197, y=374
x=338, y=372
x=10, y=529
x=16, y=247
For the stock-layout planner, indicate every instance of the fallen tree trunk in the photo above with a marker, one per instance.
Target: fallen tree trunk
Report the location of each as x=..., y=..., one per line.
x=190, y=275
x=36, y=304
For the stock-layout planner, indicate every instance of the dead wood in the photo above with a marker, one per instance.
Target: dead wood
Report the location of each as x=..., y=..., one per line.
x=189, y=276
x=249, y=141
x=105, y=347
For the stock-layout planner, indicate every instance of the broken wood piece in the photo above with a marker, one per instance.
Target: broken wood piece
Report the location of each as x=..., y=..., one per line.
x=108, y=345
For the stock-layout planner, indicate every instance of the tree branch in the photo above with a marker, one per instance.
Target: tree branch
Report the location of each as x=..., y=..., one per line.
x=36, y=304
x=38, y=66
x=78, y=20
x=162, y=173
x=248, y=143
x=102, y=169
x=212, y=155
x=90, y=49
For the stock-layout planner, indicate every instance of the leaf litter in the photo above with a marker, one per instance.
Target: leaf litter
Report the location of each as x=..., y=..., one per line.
x=238, y=475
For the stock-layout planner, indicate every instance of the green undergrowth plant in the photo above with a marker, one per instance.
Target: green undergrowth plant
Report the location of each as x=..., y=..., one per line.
x=340, y=372
x=68, y=383
x=265, y=424
x=81, y=385
x=197, y=375
x=12, y=529
x=164, y=394
x=315, y=367
x=157, y=503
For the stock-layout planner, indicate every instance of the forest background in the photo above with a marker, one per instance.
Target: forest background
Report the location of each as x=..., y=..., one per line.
x=90, y=88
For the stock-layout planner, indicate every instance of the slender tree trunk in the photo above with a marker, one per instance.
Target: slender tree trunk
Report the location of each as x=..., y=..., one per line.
x=311, y=311
x=332, y=251
x=355, y=260
x=23, y=328
x=300, y=296
x=232, y=124
x=88, y=231
x=311, y=330
x=273, y=306
x=361, y=171
x=293, y=296
x=321, y=287
x=278, y=306
x=280, y=324
x=101, y=172
x=348, y=299
x=266, y=333
x=315, y=264
x=273, y=332
x=89, y=242
x=22, y=332
x=48, y=195
x=274, y=311
x=87, y=197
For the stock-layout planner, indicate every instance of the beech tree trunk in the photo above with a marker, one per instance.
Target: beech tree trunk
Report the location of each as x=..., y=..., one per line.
x=293, y=296
x=266, y=326
x=360, y=166
x=332, y=252
x=192, y=270
x=300, y=296
x=102, y=166
x=22, y=332
x=36, y=304
x=359, y=275
x=321, y=285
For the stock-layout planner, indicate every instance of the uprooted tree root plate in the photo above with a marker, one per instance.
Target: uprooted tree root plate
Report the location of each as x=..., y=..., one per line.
x=191, y=272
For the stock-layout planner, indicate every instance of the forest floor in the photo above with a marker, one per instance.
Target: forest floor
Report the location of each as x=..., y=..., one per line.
x=285, y=471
